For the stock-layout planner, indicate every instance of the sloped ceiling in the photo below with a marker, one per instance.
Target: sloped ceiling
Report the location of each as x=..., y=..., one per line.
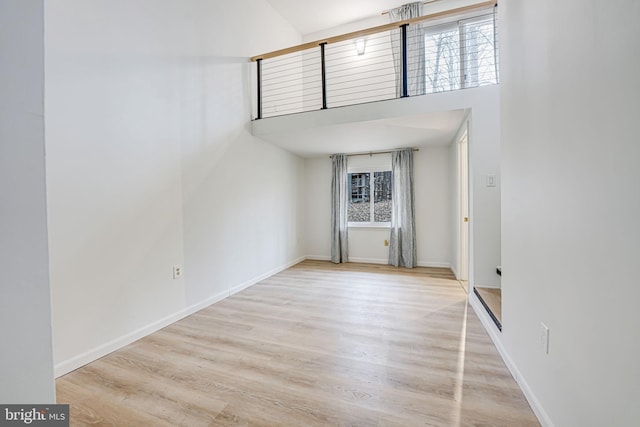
x=309, y=16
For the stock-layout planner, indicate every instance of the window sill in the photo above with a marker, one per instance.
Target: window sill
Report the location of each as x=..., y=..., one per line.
x=369, y=225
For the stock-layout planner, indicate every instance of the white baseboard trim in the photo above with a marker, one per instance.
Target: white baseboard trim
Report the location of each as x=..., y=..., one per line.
x=80, y=360
x=434, y=264
x=96, y=353
x=266, y=275
x=493, y=332
x=455, y=273
x=318, y=257
x=369, y=260
x=380, y=261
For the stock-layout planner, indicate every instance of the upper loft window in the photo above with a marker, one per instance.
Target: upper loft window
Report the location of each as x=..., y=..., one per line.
x=370, y=199
x=461, y=54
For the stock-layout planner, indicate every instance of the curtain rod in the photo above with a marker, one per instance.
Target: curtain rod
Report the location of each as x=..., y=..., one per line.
x=371, y=153
x=385, y=12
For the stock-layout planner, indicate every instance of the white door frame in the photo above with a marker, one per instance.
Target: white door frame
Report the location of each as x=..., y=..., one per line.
x=463, y=207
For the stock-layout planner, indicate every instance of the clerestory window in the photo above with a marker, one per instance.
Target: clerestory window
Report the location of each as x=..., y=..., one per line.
x=462, y=54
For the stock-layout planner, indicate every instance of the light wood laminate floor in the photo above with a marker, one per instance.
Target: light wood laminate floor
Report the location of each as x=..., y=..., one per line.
x=493, y=298
x=318, y=344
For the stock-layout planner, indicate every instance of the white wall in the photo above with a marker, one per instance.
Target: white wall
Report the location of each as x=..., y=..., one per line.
x=570, y=204
x=484, y=204
x=353, y=78
x=283, y=84
x=151, y=164
x=26, y=368
x=433, y=212
x=367, y=245
x=317, y=215
x=431, y=177
x=484, y=158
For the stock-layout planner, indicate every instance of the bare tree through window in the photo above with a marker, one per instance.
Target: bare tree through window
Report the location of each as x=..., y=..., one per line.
x=363, y=208
x=461, y=55
x=382, y=197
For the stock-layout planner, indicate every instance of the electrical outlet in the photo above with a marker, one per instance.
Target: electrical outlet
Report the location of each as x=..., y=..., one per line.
x=386, y=243
x=544, y=338
x=177, y=271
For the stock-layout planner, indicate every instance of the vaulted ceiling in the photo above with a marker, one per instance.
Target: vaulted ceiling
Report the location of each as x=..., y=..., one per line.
x=309, y=16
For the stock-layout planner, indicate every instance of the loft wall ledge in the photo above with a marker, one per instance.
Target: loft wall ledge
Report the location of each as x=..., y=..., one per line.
x=399, y=107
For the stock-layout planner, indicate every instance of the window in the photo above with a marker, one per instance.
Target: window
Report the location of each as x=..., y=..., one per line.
x=480, y=61
x=461, y=55
x=442, y=59
x=365, y=209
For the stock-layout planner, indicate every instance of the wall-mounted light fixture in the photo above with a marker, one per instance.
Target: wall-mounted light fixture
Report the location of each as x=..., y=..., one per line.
x=360, y=46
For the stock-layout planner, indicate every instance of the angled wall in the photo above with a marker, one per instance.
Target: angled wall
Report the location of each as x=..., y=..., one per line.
x=151, y=165
x=26, y=367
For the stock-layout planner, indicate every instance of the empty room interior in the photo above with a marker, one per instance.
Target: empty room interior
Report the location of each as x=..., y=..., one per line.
x=296, y=212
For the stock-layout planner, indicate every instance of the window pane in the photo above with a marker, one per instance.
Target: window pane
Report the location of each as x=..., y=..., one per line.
x=480, y=54
x=359, y=201
x=382, y=196
x=442, y=60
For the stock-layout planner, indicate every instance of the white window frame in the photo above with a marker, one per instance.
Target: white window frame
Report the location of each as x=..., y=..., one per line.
x=463, y=46
x=441, y=28
x=370, y=170
x=459, y=24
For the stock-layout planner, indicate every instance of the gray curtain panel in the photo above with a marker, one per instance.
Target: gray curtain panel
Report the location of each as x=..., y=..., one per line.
x=402, y=242
x=415, y=49
x=339, y=206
